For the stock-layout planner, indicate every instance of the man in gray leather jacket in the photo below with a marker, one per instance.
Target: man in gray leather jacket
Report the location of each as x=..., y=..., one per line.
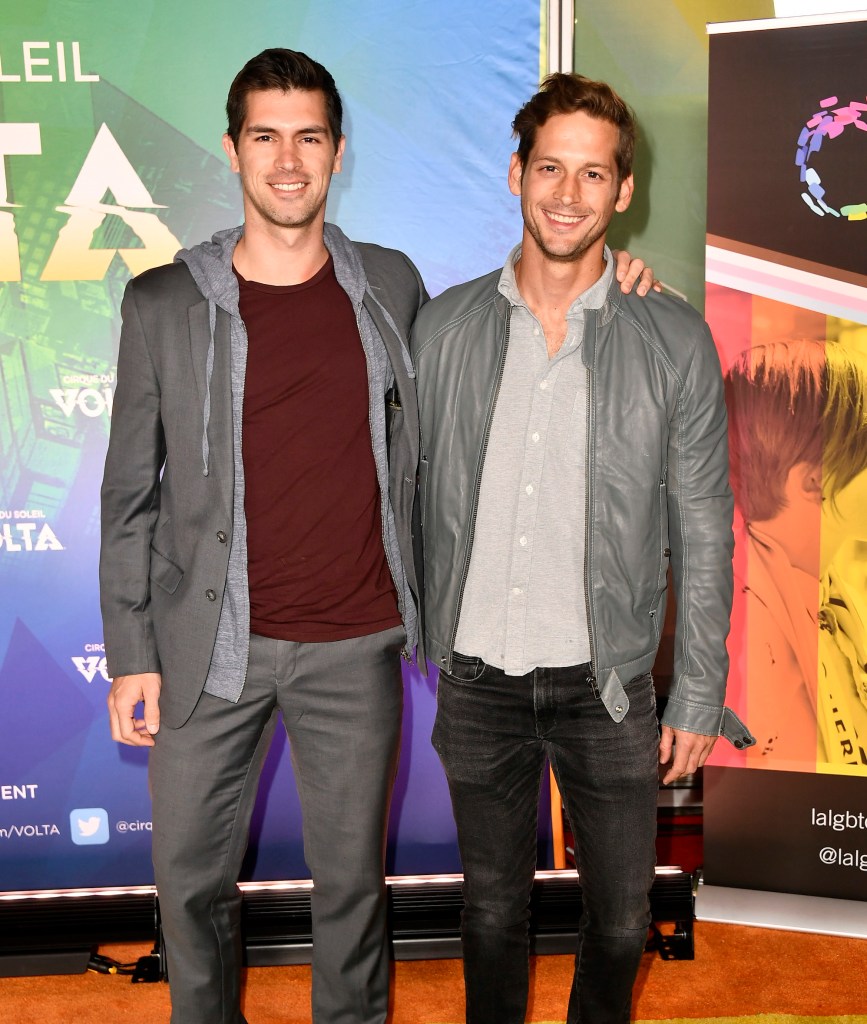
x=573, y=450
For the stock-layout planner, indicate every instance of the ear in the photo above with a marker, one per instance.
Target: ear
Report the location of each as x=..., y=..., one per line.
x=805, y=482
x=516, y=175
x=229, y=149
x=624, y=196
x=338, y=156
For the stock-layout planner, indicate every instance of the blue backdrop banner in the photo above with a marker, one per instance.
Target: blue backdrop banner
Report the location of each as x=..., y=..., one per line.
x=110, y=160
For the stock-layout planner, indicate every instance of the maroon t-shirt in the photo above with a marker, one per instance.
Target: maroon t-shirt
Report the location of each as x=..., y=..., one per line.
x=315, y=558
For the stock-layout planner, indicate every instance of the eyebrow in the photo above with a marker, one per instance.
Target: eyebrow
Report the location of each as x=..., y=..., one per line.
x=263, y=129
x=559, y=160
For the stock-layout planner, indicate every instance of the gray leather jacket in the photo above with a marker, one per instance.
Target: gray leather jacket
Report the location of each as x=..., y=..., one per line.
x=657, y=489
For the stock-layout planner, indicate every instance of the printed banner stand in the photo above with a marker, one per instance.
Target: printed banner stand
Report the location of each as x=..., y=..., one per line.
x=786, y=822
x=780, y=910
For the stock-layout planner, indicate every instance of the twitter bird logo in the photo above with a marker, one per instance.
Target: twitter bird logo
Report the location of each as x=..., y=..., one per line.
x=88, y=826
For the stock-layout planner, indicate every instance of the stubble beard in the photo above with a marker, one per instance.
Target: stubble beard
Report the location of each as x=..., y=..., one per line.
x=572, y=255
x=596, y=232
x=298, y=218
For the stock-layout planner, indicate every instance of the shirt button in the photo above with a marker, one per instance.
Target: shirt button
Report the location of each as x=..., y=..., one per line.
x=619, y=709
x=536, y=332
x=544, y=385
x=536, y=437
x=211, y=595
x=523, y=542
x=529, y=488
x=516, y=590
x=221, y=536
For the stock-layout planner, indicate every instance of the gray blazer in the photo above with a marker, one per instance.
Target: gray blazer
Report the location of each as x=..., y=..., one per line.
x=167, y=526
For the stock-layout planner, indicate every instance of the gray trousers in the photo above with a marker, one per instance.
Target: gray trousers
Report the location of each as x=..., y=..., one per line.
x=342, y=704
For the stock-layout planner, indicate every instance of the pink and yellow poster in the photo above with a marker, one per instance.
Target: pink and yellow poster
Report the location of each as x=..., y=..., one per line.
x=787, y=303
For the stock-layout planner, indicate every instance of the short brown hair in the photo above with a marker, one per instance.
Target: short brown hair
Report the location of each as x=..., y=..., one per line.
x=285, y=70
x=566, y=94
x=793, y=402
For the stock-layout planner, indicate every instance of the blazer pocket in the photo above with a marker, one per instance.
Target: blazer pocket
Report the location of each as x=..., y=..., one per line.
x=164, y=572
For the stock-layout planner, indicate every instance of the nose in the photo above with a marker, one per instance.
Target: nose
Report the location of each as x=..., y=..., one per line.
x=288, y=157
x=568, y=192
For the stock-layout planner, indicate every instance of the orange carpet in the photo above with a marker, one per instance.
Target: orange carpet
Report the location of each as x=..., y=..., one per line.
x=738, y=973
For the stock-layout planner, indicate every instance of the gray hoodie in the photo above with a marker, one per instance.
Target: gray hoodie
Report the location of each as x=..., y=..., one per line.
x=210, y=264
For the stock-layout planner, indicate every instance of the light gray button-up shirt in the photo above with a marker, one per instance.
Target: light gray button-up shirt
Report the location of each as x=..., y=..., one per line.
x=524, y=603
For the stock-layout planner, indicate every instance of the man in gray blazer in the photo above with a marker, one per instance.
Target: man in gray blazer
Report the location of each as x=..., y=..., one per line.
x=257, y=550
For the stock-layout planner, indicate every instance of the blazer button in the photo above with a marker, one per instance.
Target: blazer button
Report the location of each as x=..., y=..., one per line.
x=221, y=536
x=667, y=552
x=211, y=595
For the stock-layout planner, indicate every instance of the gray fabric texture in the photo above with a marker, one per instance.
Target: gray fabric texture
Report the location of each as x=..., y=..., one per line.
x=172, y=558
x=341, y=704
x=524, y=604
x=657, y=477
x=210, y=263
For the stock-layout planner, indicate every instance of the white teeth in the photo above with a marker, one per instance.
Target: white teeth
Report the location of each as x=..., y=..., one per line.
x=561, y=219
x=288, y=188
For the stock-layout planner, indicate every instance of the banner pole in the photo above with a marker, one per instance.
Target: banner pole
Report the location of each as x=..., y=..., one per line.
x=560, y=37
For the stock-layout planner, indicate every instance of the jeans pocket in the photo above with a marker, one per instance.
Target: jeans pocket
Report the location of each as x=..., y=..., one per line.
x=465, y=669
x=641, y=688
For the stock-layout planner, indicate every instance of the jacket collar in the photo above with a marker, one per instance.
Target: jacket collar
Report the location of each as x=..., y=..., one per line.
x=596, y=318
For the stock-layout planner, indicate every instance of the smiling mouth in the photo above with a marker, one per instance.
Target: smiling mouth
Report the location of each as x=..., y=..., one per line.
x=293, y=186
x=562, y=218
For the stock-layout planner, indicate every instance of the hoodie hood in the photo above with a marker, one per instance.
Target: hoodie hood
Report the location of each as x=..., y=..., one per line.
x=348, y=268
x=210, y=263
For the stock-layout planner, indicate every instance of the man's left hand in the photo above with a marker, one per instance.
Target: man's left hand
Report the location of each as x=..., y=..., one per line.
x=691, y=750
x=628, y=270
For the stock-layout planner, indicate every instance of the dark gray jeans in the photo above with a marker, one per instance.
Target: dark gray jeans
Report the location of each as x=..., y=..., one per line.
x=341, y=705
x=493, y=733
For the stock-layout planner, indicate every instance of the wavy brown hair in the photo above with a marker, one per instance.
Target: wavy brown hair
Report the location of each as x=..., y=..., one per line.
x=562, y=93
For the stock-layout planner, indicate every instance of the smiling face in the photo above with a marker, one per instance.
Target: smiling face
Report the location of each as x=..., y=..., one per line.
x=285, y=156
x=568, y=187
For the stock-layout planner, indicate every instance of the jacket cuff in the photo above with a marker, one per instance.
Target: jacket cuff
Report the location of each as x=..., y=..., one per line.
x=707, y=720
x=124, y=665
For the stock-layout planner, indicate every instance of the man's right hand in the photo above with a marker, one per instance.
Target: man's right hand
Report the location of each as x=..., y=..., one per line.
x=125, y=693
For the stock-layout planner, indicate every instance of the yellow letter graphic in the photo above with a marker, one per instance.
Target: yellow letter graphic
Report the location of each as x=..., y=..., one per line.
x=18, y=139
x=106, y=168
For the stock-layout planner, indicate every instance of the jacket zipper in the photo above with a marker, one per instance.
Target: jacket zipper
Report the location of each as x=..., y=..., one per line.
x=588, y=543
x=476, y=485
